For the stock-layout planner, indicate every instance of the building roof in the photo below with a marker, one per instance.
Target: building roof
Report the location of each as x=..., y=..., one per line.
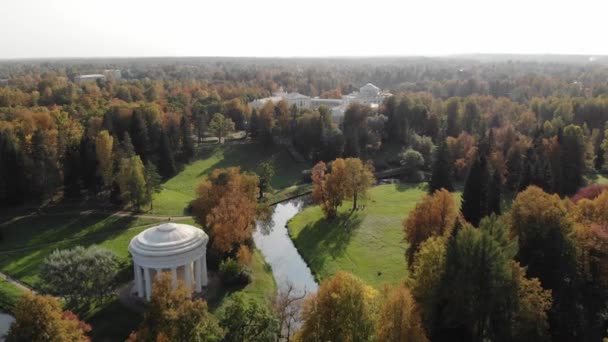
x=168, y=239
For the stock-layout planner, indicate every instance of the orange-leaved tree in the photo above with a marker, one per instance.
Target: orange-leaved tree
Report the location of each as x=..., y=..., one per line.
x=226, y=206
x=434, y=215
x=40, y=318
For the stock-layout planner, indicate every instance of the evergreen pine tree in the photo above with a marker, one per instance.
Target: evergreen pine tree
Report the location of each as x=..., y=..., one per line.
x=72, y=171
x=166, y=163
x=441, y=176
x=139, y=135
x=12, y=172
x=253, y=124
x=475, y=197
x=187, y=145
x=494, y=193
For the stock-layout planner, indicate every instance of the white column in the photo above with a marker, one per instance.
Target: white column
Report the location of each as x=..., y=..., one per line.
x=174, y=277
x=197, y=275
x=188, y=274
x=205, y=280
x=148, y=283
x=138, y=281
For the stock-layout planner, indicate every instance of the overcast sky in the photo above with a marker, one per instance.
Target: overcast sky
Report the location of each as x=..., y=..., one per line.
x=101, y=28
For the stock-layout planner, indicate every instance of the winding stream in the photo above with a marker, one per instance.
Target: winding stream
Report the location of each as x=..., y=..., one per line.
x=5, y=323
x=280, y=253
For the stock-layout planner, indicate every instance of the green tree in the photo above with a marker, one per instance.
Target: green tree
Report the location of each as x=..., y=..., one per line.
x=452, y=111
x=265, y=172
x=132, y=182
x=221, y=126
x=573, y=158
x=153, y=183
x=166, y=164
x=341, y=310
x=248, y=321
x=12, y=171
x=139, y=135
x=105, y=160
x=80, y=275
x=187, y=145
x=476, y=291
x=475, y=197
x=442, y=169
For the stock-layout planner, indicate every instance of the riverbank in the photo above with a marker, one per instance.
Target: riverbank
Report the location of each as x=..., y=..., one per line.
x=367, y=242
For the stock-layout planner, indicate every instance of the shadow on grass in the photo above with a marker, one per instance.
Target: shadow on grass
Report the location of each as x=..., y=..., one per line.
x=328, y=238
x=249, y=156
x=114, y=322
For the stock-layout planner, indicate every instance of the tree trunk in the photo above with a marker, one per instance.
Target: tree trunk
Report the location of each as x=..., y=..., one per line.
x=355, y=201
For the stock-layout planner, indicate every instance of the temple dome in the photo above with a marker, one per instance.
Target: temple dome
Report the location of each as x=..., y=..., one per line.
x=168, y=239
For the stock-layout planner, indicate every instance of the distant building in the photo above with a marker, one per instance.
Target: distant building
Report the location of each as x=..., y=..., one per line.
x=114, y=74
x=369, y=95
x=89, y=78
x=3, y=81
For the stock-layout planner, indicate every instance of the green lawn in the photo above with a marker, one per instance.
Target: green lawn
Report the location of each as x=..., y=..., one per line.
x=9, y=295
x=28, y=240
x=179, y=191
x=368, y=243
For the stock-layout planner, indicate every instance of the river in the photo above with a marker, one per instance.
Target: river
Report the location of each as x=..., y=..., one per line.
x=5, y=323
x=281, y=254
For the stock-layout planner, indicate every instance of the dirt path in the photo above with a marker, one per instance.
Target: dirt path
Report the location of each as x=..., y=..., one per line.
x=16, y=283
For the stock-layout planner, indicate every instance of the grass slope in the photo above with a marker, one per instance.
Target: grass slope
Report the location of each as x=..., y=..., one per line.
x=179, y=191
x=368, y=243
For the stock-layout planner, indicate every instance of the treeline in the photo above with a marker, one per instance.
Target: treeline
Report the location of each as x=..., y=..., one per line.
x=57, y=137
x=518, y=78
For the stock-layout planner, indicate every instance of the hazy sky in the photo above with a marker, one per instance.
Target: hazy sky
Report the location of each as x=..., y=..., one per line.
x=97, y=28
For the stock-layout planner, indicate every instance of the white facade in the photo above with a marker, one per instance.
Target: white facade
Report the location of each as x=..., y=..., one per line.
x=89, y=78
x=170, y=247
x=369, y=94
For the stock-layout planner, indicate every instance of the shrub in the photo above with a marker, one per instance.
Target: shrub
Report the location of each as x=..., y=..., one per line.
x=233, y=273
x=589, y=192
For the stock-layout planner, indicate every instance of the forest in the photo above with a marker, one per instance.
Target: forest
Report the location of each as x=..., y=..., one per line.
x=521, y=255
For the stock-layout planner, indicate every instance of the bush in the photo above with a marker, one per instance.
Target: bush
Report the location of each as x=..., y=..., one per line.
x=233, y=273
x=589, y=192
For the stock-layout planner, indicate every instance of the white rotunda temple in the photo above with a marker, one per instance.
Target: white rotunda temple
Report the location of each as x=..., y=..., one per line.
x=180, y=249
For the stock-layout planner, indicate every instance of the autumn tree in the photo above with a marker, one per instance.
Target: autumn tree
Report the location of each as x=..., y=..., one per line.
x=328, y=188
x=41, y=319
x=358, y=178
x=103, y=147
x=544, y=231
x=221, y=126
x=399, y=318
x=434, y=215
x=226, y=205
x=131, y=180
x=172, y=315
x=341, y=310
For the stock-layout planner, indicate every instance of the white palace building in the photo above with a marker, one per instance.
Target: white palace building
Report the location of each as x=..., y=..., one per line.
x=369, y=94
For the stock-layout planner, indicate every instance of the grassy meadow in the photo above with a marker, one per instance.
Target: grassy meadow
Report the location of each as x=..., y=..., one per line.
x=180, y=190
x=368, y=242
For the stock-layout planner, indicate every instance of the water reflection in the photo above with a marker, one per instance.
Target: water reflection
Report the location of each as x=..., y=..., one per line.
x=279, y=251
x=5, y=323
